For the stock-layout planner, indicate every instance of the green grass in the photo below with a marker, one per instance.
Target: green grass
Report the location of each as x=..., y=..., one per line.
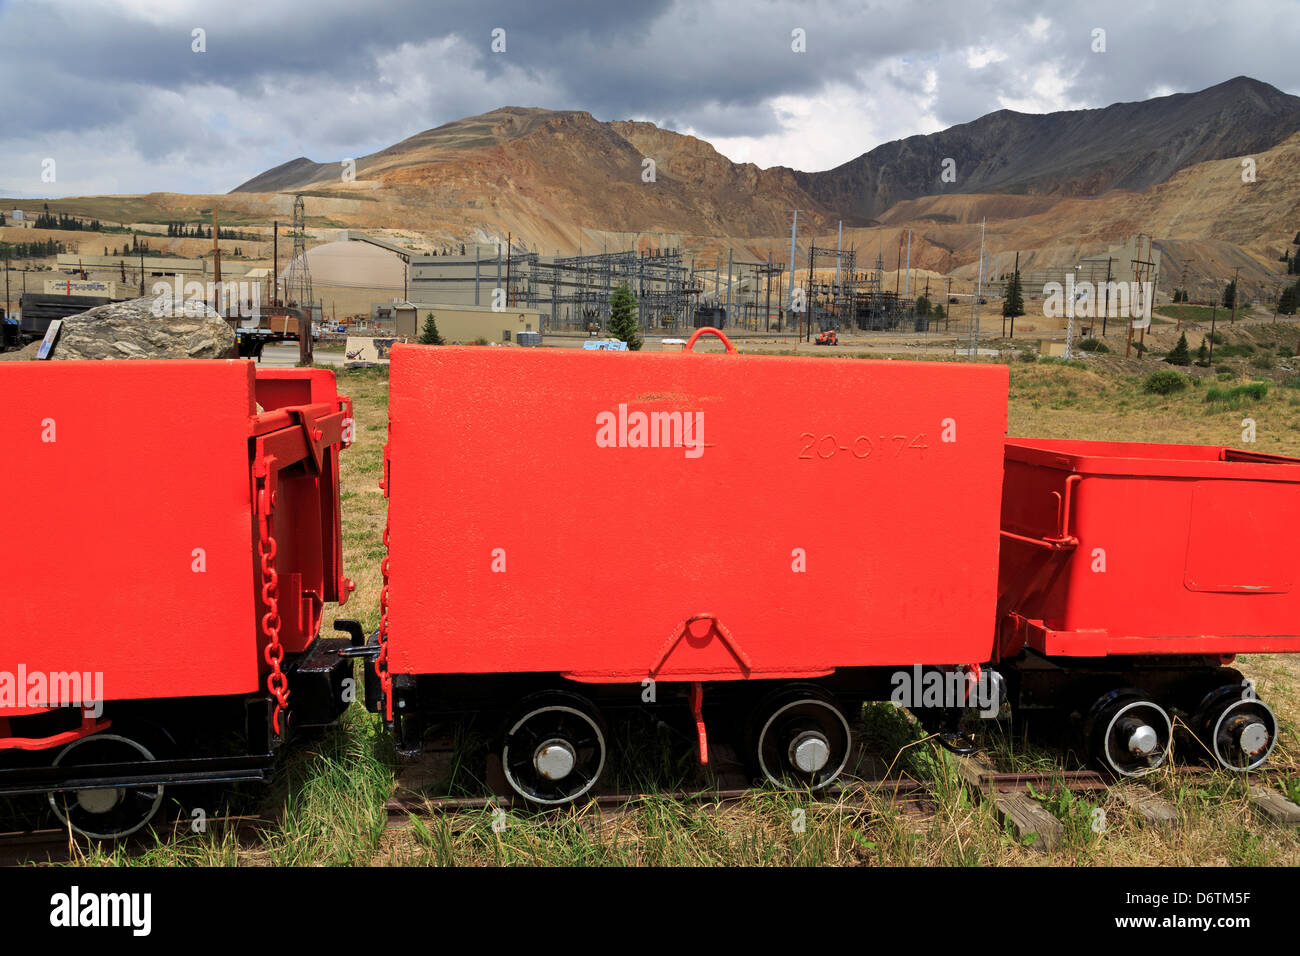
x=1238, y=396
x=1194, y=313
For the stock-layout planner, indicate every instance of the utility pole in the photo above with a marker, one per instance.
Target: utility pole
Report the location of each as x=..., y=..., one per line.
x=216, y=247
x=780, y=281
x=1140, y=276
x=907, y=281
x=767, y=308
x=794, y=231
x=509, y=251
x=975, y=300
x=898, y=270
x=839, y=247
x=275, y=262
x=1015, y=277
x=731, y=259
x=7, y=279
x=1214, y=312
x=1236, y=272
x=1106, y=307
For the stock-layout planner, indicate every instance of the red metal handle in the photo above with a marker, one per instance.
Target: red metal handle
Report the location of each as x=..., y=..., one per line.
x=690, y=343
x=1063, y=541
x=727, y=639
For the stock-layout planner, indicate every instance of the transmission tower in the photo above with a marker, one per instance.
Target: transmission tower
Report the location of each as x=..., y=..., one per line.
x=297, y=280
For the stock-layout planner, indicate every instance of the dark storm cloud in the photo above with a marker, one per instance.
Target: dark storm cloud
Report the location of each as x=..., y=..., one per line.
x=115, y=86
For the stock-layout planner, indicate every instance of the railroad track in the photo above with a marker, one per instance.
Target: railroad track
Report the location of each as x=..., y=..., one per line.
x=1012, y=795
x=53, y=846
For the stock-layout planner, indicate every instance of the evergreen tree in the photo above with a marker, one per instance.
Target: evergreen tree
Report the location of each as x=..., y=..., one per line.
x=922, y=306
x=1203, y=354
x=622, y=317
x=429, y=335
x=1287, y=303
x=1230, y=294
x=1179, y=354
x=1013, y=300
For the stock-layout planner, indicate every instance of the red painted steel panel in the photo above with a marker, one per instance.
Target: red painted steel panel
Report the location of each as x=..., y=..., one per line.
x=1182, y=549
x=126, y=470
x=148, y=462
x=528, y=458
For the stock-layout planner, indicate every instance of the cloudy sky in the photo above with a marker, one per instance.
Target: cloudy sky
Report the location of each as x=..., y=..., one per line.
x=116, y=94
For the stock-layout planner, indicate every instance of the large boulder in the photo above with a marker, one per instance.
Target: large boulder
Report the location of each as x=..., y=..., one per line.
x=133, y=330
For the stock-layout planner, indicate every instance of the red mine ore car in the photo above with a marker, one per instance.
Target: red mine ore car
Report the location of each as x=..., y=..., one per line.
x=1132, y=563
x=770, y=541
x=178, y=538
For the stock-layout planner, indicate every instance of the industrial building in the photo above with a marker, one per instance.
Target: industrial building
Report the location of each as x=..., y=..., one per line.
x=464, y=324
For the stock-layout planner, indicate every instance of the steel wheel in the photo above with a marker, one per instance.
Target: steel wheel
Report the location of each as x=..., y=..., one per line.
x=1128, y=733
x=1238, y=728
x=803, y=738
x=107, y=813
x=554, y=751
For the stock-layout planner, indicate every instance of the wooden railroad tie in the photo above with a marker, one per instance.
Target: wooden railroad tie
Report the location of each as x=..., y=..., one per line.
x=1274, y=806
x=1153, y=808
x=1025, y=814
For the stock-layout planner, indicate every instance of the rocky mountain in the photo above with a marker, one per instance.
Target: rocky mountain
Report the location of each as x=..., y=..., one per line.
x=1075, y=153
x=564, y=167
x=567, y=167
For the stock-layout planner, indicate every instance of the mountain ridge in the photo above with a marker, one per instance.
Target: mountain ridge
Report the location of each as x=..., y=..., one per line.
x=1065, y=154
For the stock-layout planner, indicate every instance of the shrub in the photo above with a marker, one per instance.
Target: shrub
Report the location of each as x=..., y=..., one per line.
x=1228, y=369
x=1262, y=361
x=1092, y=345
x=1238, y=395
x=1225, y=376
x=1164, y=382
x=1291, y=381
x=1216, y=338
x=1284, y=351
x=1237, y=348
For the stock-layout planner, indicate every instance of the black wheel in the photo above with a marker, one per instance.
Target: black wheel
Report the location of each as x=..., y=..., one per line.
x=554, y=750
x=1237, y=727
x=107, y=813
x=1128, y=733
x=801, y=738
